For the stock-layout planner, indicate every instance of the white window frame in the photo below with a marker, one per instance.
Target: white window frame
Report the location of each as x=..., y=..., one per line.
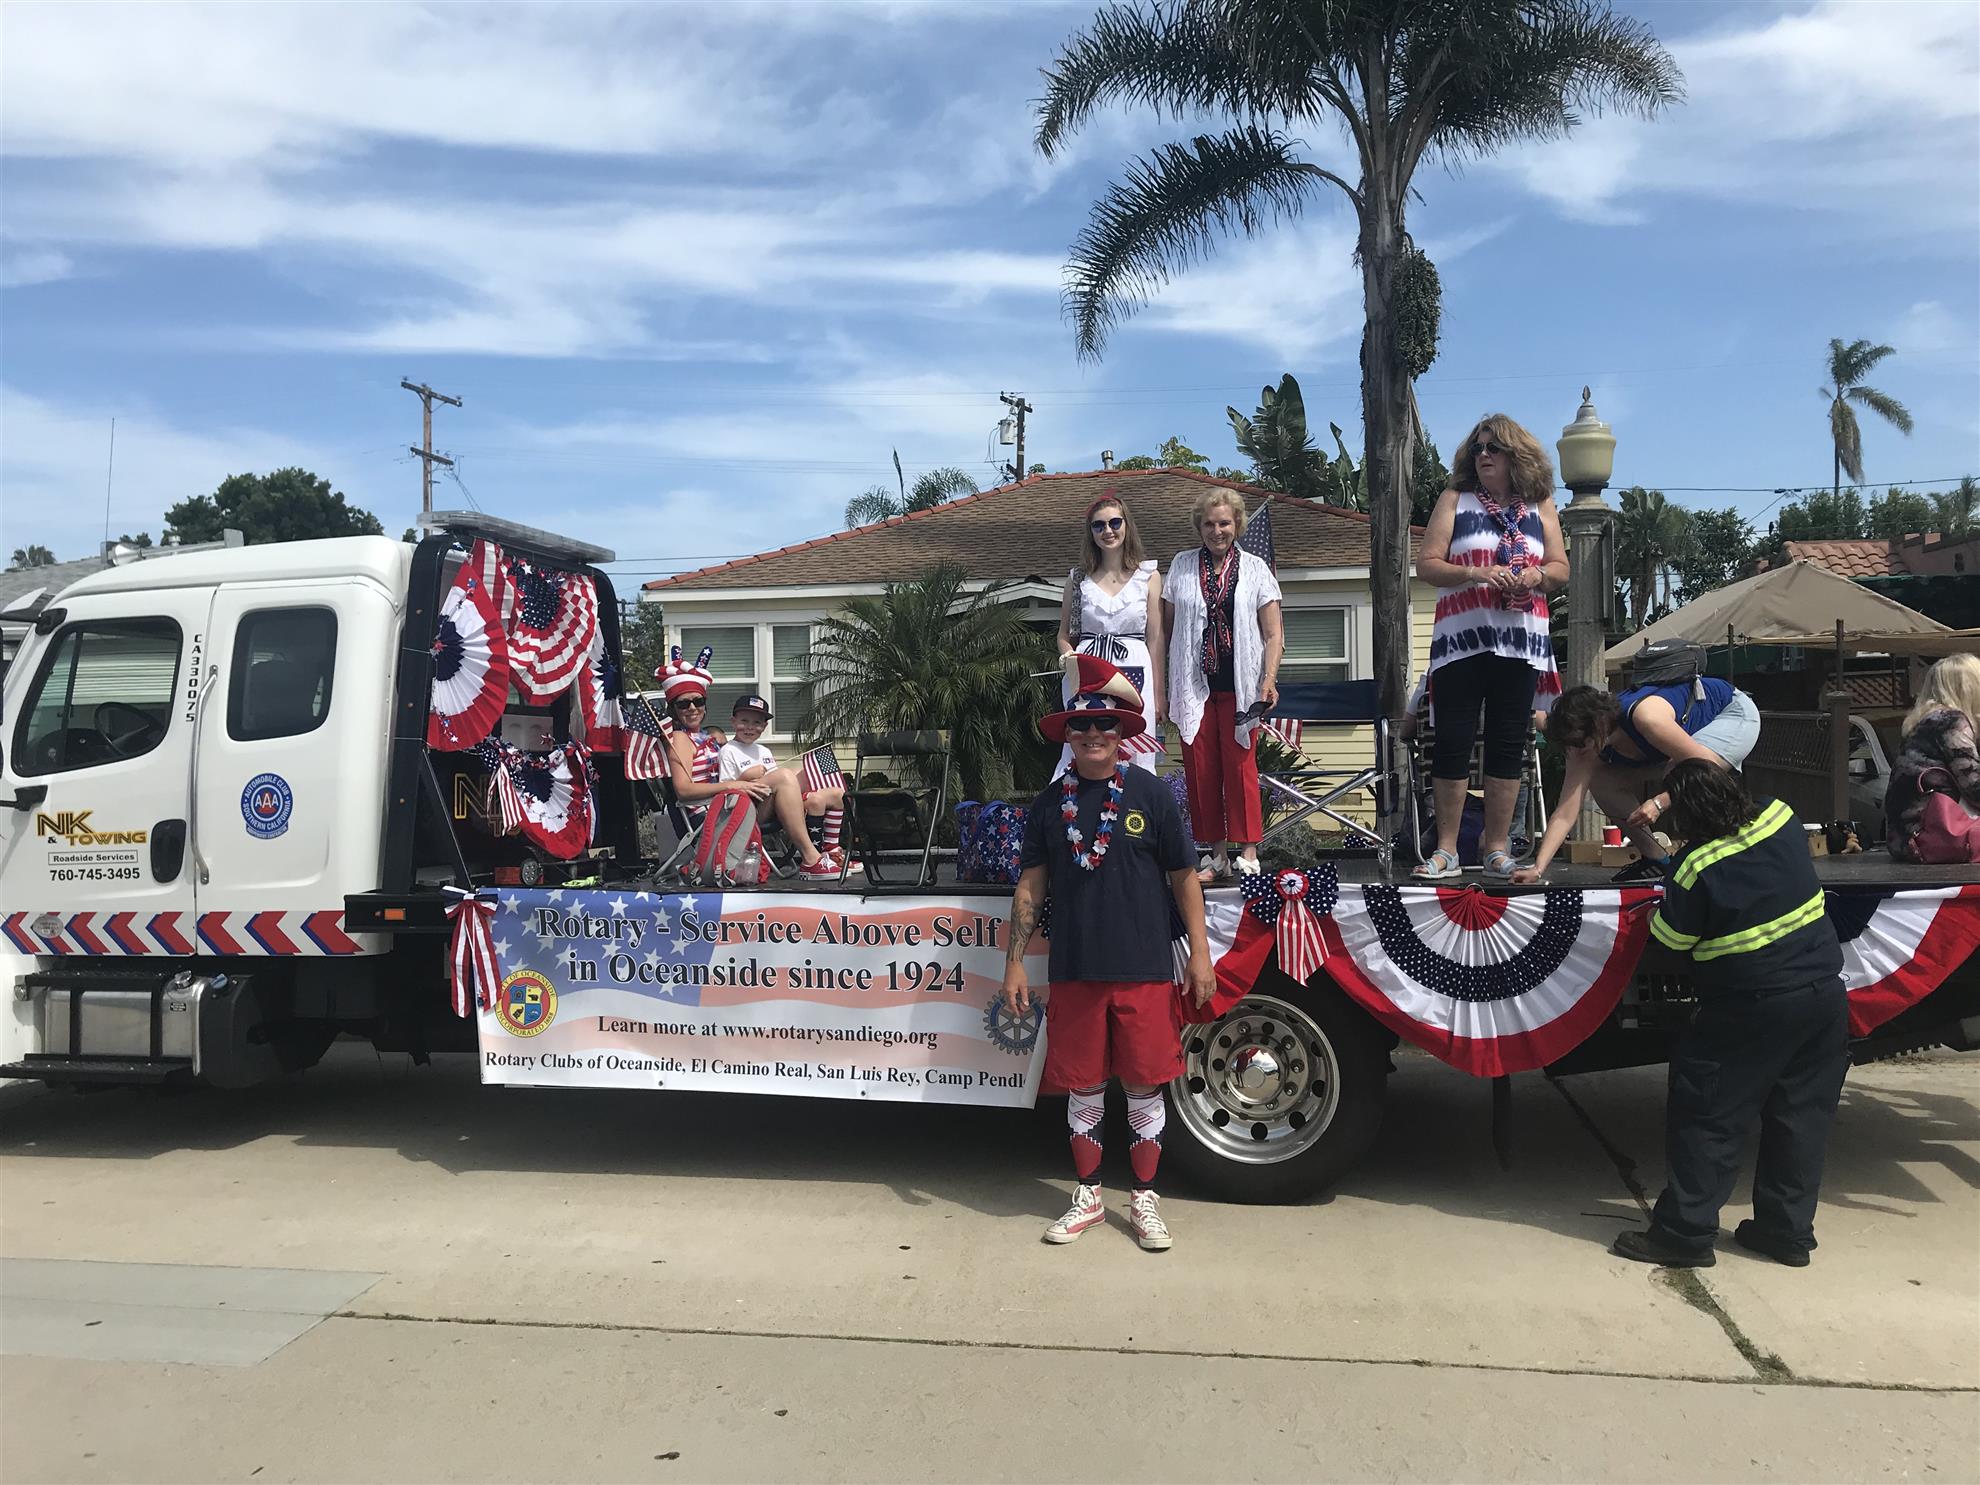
x=1353, y=663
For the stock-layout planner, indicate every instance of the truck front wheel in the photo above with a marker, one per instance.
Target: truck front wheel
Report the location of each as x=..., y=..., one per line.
x=1280, y=1096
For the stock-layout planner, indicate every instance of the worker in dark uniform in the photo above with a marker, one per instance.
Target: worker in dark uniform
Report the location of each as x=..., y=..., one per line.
x=1771, y=1038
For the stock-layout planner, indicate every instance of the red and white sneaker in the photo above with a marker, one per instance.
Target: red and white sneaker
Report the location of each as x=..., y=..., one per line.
x=824, y=869
x=1086, y=1209
x=1145, y=1218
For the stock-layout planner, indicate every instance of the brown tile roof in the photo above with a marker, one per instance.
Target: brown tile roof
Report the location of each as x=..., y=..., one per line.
x=1850, y=559
x=1031, y=530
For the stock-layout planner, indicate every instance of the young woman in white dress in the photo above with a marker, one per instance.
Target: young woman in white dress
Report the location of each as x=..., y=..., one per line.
x=1112, y=607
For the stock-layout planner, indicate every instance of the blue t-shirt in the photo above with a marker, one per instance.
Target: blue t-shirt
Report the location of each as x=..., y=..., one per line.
x=1718, y=696
x=1113, y=923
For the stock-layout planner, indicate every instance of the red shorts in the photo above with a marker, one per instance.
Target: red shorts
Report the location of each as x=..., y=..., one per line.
x=1126, y=1029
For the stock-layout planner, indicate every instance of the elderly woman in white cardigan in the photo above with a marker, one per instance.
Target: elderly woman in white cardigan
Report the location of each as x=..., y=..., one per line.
x=1220, y=609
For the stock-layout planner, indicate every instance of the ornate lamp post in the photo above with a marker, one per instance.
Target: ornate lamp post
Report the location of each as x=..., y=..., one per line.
x=1588, y=456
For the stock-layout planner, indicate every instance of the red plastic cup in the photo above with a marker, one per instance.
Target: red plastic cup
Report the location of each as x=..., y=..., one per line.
x=1611, y=835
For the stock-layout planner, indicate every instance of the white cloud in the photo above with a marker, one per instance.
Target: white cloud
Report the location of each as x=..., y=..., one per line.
x=1928, y=327
x=22, y=264
x=1860, y=108
x=54, y=457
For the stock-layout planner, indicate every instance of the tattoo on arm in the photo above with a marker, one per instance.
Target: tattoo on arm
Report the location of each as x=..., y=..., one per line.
x=1024, y=918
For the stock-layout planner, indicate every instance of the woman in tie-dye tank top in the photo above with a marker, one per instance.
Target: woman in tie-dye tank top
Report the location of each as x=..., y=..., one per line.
x=1493, y=545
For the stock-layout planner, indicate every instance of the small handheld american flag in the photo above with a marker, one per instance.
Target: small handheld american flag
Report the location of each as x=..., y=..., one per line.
x=646, y=734
x=820, y=770
x=1288, y=730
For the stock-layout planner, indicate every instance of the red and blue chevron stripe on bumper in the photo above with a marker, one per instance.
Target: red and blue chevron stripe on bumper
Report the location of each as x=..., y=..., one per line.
x=295, y=933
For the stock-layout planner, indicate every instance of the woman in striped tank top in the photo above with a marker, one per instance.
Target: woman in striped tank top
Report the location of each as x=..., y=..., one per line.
x=1494, y=546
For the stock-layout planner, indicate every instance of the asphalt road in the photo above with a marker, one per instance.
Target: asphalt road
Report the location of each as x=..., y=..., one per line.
x=384, y=1272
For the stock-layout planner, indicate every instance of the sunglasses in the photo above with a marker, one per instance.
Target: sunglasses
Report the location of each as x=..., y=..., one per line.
x=686, y=701
x=1110, y=523
x=1491, y=446
x=1077, y=726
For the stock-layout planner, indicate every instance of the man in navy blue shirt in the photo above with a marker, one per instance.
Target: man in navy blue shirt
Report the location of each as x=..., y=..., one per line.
x=1106, y=844
x=1770, y=1042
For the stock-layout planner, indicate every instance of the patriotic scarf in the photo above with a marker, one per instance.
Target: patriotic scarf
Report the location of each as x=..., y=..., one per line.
x=1217, y=588
x=1513, y=546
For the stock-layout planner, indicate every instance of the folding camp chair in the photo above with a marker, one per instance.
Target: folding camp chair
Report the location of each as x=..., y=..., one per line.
x=1311, y=788
x=891, y=821
x=1420, y=805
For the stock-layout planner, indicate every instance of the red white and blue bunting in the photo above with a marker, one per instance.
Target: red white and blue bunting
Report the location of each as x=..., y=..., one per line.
x=470, y=655
x=1496, y=984
x=555, y=620
x=545, y=796
x=1899, y=946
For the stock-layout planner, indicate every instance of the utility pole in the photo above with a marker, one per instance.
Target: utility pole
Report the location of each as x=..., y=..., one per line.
x=1019, y=407
x=427, y=397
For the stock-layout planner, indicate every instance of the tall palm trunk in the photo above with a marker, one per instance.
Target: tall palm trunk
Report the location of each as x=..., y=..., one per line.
x=1387, y=453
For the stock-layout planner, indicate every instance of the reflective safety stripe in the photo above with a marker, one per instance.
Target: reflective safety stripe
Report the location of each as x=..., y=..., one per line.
x=1668, y=936
x=1769, y=820
x=1761, y=935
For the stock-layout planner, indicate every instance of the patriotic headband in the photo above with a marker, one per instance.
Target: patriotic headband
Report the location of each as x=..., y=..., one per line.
x=678, y=678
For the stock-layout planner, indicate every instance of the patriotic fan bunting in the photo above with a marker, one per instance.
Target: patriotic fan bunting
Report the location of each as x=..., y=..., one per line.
x=470, y=659
x=546, y=796
x=1292, y=903
x=1490, y=984
x=1898, y=947
x=599, y=698
x=556, y=616
x=471, y=956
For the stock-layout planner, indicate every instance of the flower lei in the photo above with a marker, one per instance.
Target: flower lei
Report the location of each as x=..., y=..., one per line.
x=1109, y=813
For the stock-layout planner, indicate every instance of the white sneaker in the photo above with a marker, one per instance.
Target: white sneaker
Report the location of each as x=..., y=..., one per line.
x=1086, y=1209
x=1145, y=1217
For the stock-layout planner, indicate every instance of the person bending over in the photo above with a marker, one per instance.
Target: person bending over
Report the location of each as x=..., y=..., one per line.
x=1770, y=1042
x=1619, y=747
x=1105, y=845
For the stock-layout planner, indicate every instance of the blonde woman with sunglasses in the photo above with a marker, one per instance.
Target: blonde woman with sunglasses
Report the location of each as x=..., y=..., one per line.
x=1112, y=609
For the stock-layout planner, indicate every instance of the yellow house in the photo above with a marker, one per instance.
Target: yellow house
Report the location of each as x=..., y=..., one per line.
x=756, y=612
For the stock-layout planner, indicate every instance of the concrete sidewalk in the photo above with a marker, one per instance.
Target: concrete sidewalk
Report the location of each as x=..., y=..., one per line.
x=896, y=1245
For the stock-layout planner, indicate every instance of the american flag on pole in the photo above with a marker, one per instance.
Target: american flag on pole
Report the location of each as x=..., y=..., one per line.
x=1288, y=730
x=646, y=734
x=820, y=770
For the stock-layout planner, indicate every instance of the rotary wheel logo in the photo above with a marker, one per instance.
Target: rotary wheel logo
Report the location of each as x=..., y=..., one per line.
x=526, y=1003
x=1015, y=1034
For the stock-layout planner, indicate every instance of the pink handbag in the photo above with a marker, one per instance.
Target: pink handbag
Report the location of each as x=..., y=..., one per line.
x=1948, y=835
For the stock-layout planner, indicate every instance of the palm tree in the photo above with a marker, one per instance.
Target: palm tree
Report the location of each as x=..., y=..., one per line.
x=931, y=489
x=34, y=556
x=1453, y=79
x=1275, y=440
x=928, y=654
x=1957, y=512
x=1848, y=365
x=1651, y=538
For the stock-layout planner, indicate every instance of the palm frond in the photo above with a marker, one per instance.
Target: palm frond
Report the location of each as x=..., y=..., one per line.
x=1883, y=405
x=1170, y=211
x=1196, y=56
x=1847, y=437
x=874, y=505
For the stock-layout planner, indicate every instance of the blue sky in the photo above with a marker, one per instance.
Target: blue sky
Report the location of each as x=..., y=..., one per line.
x=697, y=270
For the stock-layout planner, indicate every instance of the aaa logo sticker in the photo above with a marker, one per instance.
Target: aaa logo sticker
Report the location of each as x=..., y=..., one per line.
x=266, y=804
x=527, y=1003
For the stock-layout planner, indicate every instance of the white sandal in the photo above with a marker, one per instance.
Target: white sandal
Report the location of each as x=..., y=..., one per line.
x=1441, y=867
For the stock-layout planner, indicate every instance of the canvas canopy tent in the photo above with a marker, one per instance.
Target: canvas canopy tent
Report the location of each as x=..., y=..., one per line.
x=1804, y=604
x=1800, y=604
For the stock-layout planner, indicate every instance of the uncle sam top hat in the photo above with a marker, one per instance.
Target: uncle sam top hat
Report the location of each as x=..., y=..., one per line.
x=1099, y=690
x=678, y=678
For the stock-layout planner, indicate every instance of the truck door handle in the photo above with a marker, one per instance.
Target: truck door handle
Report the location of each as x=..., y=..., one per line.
x=168, y=849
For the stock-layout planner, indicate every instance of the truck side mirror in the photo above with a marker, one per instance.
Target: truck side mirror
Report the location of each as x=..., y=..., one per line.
x=27, y=797
x=1861, y=768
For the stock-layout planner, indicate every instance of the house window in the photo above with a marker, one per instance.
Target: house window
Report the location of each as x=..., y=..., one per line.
x=1316, y=645
x=733, y=664
x=788, y=644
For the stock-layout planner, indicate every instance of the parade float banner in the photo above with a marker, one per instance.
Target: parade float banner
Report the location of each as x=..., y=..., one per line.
x=821, y=995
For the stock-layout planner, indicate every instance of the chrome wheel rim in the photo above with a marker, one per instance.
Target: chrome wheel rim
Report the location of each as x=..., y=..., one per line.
x=1259, y=1086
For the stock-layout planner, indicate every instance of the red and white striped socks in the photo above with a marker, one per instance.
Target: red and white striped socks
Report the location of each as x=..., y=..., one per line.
x=833, y=818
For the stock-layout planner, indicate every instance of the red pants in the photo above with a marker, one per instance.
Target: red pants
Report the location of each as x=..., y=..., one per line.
x=1097, y=1029
x=1222, y=778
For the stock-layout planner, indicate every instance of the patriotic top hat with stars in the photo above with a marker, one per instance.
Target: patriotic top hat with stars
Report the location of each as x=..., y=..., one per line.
x=1099, y=690
x=678, y=678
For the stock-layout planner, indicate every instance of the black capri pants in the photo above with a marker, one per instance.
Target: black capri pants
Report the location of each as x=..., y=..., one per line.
x=1504, y=687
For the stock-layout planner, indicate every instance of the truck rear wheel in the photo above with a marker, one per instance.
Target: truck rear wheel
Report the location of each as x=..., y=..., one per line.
x=1279, y=1097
